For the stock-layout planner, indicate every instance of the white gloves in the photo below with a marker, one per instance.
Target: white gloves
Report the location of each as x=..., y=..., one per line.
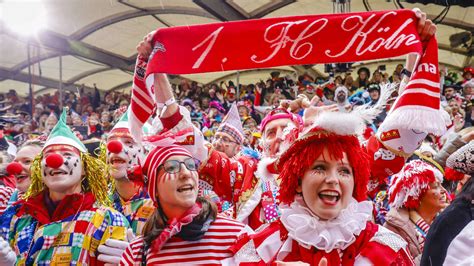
x=7, y=256
x=111, y=252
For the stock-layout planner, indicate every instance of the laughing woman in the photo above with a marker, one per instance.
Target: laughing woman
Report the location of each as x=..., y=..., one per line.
x=325, y=217
x=184, y=228
x=415, y=197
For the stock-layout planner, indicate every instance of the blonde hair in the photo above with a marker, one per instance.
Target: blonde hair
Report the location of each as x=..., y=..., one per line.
x=95, y=180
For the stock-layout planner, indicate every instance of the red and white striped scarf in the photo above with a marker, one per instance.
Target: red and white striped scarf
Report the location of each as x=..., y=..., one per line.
x=174, y=226
x=298, y=40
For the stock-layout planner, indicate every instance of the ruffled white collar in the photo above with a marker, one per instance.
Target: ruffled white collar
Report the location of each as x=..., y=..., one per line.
x=308, y=230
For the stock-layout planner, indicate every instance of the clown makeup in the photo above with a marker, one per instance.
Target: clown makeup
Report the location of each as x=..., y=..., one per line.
x=177, y=192
x=327, y=186
x=272, y=136
x=64, y=179
x=25, y=157
x=128, y=157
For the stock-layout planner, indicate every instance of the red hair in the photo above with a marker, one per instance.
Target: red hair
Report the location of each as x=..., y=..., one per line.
x=303, y=152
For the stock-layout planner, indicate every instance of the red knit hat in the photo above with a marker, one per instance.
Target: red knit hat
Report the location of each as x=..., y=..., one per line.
x=155, y=158
x=410, y=184
x=336, y=132
x=280, y=113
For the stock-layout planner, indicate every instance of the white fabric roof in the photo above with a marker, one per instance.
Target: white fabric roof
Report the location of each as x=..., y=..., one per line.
x=100, y=37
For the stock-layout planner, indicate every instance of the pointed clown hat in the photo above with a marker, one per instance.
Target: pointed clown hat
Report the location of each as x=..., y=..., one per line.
x=416, y=112
x=123, y=125
x=232, y=125
x=62, y=134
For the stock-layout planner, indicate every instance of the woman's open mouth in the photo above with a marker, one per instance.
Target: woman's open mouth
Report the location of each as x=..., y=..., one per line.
x=329, y=197
x=185, y=188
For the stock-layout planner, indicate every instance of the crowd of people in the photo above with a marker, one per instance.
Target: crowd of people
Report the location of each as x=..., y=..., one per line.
x=283, y=170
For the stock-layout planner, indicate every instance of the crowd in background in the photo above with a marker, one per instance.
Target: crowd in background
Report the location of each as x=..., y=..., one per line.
x=92, y=114
x=298, y=175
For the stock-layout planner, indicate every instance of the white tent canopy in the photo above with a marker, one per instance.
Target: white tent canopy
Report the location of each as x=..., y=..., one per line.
x=97, y=38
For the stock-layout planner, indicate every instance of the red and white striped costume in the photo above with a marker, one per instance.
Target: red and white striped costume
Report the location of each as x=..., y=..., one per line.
x=5, y=195
x=215, y=248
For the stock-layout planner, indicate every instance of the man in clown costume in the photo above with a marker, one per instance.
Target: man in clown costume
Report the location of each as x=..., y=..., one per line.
x=124, y=156
x=63, y=217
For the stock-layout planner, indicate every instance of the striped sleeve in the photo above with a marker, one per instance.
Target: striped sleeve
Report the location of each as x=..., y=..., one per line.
x=5, y=195
x=133, y=254
x=214, y=248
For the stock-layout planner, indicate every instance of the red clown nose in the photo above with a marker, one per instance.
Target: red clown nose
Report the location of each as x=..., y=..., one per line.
x=54, y=161
x=14, y=168
x=114, y=146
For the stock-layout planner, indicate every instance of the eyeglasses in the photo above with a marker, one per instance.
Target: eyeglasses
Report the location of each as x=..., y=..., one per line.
x=224, y=140
x=174, y=166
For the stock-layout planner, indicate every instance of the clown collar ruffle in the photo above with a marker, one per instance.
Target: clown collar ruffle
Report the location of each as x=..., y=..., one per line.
x=307, y=229
x=70, y=205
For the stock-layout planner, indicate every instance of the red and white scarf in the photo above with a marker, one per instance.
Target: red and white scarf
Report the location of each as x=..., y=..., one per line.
x=174, y=226
x=298, y=40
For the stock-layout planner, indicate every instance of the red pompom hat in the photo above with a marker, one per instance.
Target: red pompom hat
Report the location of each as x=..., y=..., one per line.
x=338, y=133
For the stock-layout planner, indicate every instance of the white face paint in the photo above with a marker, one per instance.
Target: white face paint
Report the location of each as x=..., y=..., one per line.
x=132, y=154
x=25, y=157
x=67, y=178
x=273, y=136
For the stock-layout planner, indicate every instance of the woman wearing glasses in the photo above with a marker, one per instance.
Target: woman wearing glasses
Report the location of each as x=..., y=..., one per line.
x=184, y=227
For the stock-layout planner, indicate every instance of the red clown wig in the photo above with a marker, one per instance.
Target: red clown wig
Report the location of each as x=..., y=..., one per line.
x=326, y=134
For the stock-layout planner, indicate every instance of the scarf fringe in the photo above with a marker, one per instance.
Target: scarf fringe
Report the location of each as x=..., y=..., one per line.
x=417, y=118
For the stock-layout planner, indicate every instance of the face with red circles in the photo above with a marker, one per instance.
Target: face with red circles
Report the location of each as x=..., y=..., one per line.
x=434, y=198
x=67, y=177
x=130, y=155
